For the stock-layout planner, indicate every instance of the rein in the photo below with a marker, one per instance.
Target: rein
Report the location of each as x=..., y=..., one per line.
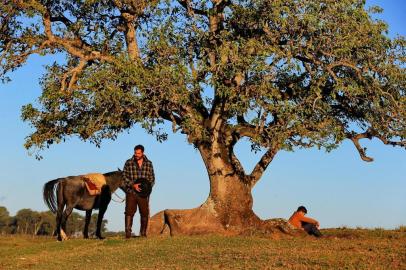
x=121, y=200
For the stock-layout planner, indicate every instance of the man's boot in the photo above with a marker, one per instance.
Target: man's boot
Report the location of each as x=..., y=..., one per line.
x=144, y=226
x=128, y=226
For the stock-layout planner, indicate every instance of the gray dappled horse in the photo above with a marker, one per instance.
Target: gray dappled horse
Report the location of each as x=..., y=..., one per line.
x=71, y=192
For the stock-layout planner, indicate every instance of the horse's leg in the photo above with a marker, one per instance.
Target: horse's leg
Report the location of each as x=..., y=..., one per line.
x=87, y=221
x=61, y=205
x=58, y=222
x=105, y=198
x=65, y=216
x=100, y=216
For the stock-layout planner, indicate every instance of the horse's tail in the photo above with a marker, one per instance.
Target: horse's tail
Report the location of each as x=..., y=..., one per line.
x=49, y=194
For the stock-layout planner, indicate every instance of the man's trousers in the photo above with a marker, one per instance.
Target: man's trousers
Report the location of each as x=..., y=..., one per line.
x=133, y=201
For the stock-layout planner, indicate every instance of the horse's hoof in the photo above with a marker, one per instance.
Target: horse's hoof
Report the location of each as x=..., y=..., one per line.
x=63, y=235
x=101, y=237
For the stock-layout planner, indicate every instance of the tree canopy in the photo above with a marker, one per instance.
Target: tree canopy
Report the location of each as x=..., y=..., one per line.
x=284, y=74
x=4, y=219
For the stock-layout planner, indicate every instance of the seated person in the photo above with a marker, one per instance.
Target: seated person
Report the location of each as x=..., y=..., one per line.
x=299, y=221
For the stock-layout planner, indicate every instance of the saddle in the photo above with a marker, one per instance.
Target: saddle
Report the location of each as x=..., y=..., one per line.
x=94, y=183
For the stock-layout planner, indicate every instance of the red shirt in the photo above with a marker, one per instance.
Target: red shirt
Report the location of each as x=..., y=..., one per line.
x=298, y=217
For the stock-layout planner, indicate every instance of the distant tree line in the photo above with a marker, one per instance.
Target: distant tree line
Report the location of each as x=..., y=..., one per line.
x=27, y=221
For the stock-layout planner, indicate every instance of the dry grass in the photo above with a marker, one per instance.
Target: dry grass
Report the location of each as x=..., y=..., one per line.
x=340, y=249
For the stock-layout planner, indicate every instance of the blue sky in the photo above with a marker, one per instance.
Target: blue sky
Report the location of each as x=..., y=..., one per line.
x=337, y=188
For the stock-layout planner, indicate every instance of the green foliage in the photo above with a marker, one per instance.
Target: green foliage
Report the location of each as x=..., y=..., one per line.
x=4, y=219
x=27, y=221
x=285, y=74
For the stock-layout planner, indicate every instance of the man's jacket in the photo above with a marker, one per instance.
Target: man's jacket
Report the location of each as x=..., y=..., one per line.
x=132, y=172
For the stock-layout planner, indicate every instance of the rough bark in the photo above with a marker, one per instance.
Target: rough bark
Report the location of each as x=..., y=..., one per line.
x=227, y=210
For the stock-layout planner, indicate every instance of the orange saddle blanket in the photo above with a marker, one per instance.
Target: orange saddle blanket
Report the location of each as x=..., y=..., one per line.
x=94, y=183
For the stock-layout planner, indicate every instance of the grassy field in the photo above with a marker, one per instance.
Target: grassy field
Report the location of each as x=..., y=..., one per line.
x=340, y=249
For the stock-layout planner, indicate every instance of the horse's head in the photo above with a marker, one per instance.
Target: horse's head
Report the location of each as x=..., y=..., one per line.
x=115, y=179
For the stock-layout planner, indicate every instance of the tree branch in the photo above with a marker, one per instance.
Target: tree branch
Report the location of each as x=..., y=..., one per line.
x=262, y=165
x=130, y=37
x=74, y=76
x=387, y=142
x=355, y=139
x=369, y=134
x=130, y=29
x=61, y=18
x=75, y=46
x=190, y=10
x=245, y=130
x=169, y=116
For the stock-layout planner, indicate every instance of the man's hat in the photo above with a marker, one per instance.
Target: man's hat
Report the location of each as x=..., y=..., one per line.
x=145, y=186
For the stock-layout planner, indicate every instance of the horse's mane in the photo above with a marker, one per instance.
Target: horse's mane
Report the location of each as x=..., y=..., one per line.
x=111, y=173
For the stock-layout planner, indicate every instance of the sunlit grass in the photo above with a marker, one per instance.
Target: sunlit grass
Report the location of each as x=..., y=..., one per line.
x=341, y=249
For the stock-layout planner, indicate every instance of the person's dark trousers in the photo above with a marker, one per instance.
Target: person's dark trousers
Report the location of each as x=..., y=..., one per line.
x=311, y=229
x=128, y=226
x=133, y=201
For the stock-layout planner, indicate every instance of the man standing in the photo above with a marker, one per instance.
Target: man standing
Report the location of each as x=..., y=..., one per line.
x=299, y=221
x=136, y=168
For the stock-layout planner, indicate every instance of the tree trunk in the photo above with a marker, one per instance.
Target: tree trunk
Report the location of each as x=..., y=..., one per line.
x=227, y=210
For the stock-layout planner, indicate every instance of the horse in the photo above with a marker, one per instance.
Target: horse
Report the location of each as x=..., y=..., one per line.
x=71, y=192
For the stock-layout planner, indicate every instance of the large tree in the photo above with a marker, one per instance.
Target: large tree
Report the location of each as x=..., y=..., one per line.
x=285, y=74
